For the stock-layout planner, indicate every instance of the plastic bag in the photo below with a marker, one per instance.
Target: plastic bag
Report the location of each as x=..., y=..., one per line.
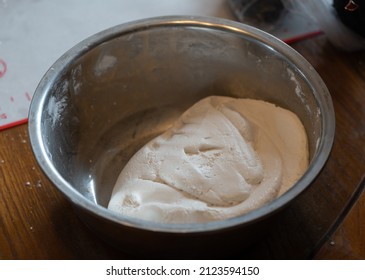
x=324, y=13
x=271, y=16
x=263, y=14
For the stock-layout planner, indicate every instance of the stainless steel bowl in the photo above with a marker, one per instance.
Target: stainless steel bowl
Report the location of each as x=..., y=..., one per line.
x=111, y=93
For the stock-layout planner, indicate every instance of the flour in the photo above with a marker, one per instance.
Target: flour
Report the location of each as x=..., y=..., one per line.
x=55, y=108
x=105, y=63
x=222, y=158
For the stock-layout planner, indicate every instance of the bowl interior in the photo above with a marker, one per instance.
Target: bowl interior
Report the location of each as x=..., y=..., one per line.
x=109, y=95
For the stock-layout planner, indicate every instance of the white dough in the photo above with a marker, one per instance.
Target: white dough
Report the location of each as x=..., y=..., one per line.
x=222, y=158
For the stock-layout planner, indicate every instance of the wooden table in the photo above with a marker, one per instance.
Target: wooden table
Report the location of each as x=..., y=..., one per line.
x=326, y=222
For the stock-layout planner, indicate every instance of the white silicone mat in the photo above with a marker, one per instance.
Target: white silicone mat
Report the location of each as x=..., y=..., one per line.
x=35, y=33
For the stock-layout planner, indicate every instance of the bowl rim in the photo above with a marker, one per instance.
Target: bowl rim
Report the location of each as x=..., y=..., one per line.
x=321, y=95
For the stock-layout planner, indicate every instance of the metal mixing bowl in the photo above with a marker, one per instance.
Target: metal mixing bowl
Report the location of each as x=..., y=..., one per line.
x=111, y=93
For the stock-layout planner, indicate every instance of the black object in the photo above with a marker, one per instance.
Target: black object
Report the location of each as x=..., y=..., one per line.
x=352, y=14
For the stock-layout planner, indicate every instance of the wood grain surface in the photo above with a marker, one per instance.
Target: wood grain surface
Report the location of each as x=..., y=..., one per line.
x=325, y=222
